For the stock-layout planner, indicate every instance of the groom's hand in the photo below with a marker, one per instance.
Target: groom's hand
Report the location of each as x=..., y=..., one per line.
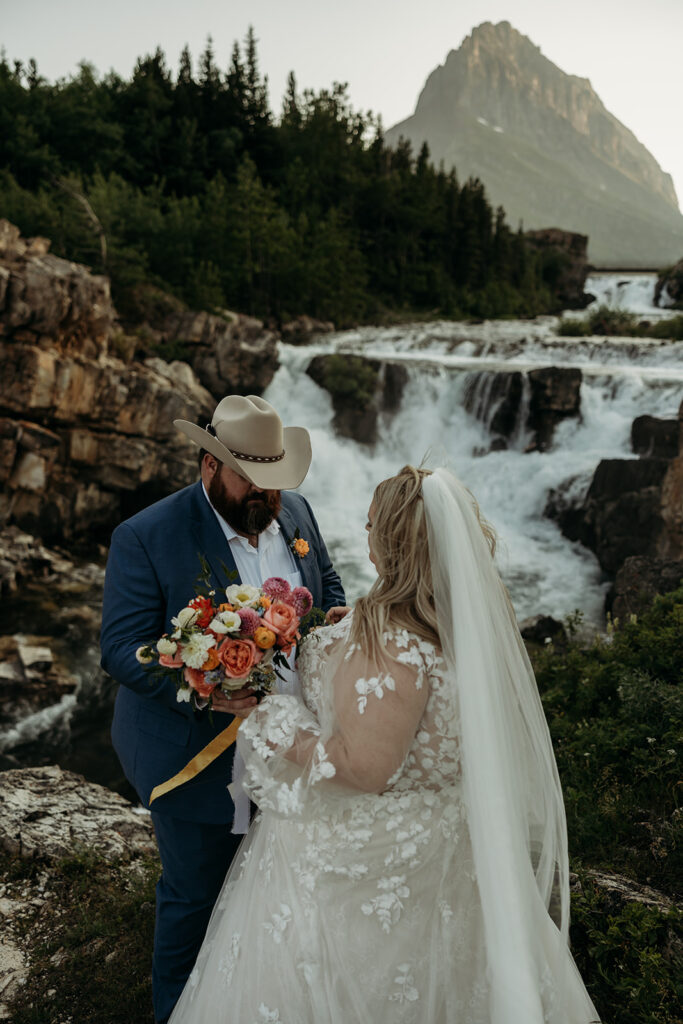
x=240, y=702
x=336, y=614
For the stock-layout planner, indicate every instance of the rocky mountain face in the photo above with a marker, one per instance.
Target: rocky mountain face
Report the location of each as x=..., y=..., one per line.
x=86, y=420
x=546, y=148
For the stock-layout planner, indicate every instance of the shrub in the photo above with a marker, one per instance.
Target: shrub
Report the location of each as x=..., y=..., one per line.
x=615, y=713
x=626, y=956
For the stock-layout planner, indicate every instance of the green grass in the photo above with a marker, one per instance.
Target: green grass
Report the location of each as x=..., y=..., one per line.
x=91, y=942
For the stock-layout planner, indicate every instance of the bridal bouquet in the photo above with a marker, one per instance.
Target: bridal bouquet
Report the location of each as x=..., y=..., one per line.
x=233, y=645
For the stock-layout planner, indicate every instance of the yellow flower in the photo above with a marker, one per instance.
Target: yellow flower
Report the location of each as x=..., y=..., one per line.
x=300, y=547
x=264, y=638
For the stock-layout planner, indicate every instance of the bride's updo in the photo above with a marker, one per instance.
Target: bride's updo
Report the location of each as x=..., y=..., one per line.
x=403, y=594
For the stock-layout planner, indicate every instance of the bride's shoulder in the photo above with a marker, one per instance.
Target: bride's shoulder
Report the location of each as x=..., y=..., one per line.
x=410, y=648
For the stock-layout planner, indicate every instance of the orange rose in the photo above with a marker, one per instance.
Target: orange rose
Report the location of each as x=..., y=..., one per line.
x=225, y=607
x=284, y=621
x=194, y=677
x=281, y=618
x=171, y=660
x=301, y=547
x=238, y=657
x=264, y=638
x=211, y=660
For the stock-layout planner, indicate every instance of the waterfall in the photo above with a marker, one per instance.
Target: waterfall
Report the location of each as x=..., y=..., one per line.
x=634, y=292
x=458, y=376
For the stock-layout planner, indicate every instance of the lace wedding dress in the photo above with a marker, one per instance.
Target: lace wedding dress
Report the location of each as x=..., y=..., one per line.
x=354, y=896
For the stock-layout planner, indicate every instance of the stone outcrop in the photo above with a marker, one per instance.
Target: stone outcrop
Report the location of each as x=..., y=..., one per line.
x=49, y=301
x=49, y=814
x=546, y=149
x=230, y=354
x=669, y=287
x=85, y=438
x=555, y=395
x=361, y=390
x=565, y=264
x=542, y=629
x=656, y=437
x=622, y=514
x=633, y=507
x=304, y=329
x=637, y=583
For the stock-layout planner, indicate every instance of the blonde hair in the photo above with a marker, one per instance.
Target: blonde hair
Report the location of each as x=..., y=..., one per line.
x=403, y=594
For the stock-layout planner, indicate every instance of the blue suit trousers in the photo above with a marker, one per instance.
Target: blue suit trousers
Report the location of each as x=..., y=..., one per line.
x=195, y=858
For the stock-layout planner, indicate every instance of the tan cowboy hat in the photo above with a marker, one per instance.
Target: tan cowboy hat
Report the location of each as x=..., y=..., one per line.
x=247, y=435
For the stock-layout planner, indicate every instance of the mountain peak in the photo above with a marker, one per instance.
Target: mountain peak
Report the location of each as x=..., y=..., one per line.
x=545, y=147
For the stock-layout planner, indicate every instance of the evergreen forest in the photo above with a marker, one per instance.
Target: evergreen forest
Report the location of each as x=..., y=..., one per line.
x=186, y=186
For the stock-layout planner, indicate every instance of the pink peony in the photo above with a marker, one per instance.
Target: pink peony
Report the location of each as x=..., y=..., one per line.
x=250, y=621
x=277, y=588
x=302, y=599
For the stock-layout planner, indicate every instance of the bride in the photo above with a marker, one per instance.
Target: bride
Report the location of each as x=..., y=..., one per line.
x=409, y=860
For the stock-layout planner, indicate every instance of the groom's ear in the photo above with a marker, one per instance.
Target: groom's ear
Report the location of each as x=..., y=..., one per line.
x=208, y=464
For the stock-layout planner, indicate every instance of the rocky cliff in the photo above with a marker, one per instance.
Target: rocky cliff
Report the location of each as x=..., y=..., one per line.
x=546, y=148
x=86, y=417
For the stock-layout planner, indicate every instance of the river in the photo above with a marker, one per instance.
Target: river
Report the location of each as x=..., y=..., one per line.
x=622, y=378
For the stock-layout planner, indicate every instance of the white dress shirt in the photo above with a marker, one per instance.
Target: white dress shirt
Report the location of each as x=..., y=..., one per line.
x=272, y=557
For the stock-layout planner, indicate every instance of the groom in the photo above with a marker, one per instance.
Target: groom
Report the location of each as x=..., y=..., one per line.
x=239, y=520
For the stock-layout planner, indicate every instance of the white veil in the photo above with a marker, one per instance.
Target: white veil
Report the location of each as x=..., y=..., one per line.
x=511, y=786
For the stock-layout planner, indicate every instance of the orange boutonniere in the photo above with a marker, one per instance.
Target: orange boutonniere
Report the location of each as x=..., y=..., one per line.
x=299, y=546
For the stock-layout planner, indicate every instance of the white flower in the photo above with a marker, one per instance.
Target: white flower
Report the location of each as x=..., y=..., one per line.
x=241, y=595
x=194, y=652
x=166, y=646
x=183, y=694
x=185, y=617
x=226, y=622
x=144, y=659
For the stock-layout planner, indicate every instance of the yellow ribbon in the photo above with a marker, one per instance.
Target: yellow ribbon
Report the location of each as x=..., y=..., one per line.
x=200, y=761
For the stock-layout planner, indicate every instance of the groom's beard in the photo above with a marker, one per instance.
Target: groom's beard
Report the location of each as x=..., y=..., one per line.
x=252, y=514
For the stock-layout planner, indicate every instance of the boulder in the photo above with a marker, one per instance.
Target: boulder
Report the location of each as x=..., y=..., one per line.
x=48, y=814
x=361, y=389
x=304, y=329
x=555, y=395
x=230, y=354
x=542, y=629
x=630, y=509
x=669, y=287
x=637, y=583
x=652, y=436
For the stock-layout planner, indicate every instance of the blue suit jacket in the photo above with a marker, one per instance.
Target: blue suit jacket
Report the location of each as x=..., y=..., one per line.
x=152, y=567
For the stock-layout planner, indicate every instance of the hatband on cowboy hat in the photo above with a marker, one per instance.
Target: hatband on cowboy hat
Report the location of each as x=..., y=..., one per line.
x=247, y=436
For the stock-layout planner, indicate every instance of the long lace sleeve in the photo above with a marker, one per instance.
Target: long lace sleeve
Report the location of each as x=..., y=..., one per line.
x=368, y=717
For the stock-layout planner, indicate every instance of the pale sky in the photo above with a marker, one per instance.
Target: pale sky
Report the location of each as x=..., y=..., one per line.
x=631, y=50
